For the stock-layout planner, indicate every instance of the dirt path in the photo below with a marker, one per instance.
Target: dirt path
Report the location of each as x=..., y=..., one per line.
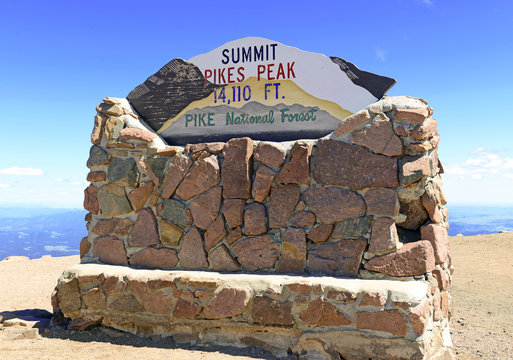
x=482, y=325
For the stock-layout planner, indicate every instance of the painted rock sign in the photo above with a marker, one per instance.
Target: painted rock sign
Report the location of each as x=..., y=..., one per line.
x=254, y=87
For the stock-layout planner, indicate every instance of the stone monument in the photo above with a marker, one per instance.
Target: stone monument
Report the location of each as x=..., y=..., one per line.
x=260, y=195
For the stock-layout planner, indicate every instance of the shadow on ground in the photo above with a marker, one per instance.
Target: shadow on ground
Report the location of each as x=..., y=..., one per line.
x=40, y=319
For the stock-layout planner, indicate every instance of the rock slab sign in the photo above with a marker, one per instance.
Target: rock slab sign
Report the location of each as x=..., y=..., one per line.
x=309, y=244
x=258, y=88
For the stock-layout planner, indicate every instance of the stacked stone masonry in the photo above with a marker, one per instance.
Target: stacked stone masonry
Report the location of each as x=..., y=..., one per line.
x=364, y=202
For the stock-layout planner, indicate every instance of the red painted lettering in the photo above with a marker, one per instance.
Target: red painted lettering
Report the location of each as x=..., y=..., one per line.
x=230, y=74
x=208, y=74
x=290, y=69
x=260, y=71
x=281, y=72
x=220, y=75
x=241, y=76
x=269, y=72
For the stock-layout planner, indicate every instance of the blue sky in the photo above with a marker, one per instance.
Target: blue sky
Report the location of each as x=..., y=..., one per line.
x=58, y=59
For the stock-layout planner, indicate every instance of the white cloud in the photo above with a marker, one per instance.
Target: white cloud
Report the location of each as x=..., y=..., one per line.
x=428, y=2
x=5, y=185
x=22, y=171
x=381, y=54
x=484, y=162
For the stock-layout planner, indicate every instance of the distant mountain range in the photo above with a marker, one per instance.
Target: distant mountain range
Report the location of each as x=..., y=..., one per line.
x=35, y=232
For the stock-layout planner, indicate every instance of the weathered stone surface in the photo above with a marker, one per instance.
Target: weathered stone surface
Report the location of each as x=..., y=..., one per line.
x=415, y=213
x=390, y=321
x=445, y=303
x=237, y=168
x=140, y=195
x=413, y=168
x=157, y=303
x=269, y=154
x=412, y=259
x=297, y=169
x=232, y=211
x=356, y=227
x=69, y=296
x=401, y=131
x=442, y=279
x=266, y=311
x=215, y=233
x=262, y=184
x=379, y=136
x=109, y=109
x=220, y=259
x=203, y=175
x=113, y=201
x=284, y=199
x=178, y=166
x=110, y=250
x=425, y=131
x=437, y=313
x=174, y=211
x=97, y=156
x=320, y=233
x=303, y=219
x=322, y=313
x=168, y=151
x=342, y=296
x=414, y=116
x=437, y=236
x=170, y=234
x=155, y=258
x=127, y=303
x=255, y=219
x=186, y=309
x=382, y=202
x=192, y=255
x=256, y=253
x=213, y=147
x=234, y=235
x=373, y=299
x=94, y=299
x=123, y=171
x=384, y=236
x=352, y=122
x=99, y=126
x=419, y=317
x=430, y=203
x=113, y=126
x=85, y=245
x=90, y=199
x=154, y=167
x=95, y=176
x=338, y=163
x=334, y=204
x=293, y=256
x=227, y=303
x=113, y=227
x=136, y=134
x=205, y=208
x=145, y=231
x=341, y=258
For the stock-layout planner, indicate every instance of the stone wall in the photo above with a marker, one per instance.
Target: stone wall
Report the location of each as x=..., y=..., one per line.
x=222, y=243
x=364, y=202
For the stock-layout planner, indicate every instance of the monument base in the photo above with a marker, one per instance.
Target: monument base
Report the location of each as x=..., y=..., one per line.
x=312, y=317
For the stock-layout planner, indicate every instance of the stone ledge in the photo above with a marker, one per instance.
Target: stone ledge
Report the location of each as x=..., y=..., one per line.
x=304, y=315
